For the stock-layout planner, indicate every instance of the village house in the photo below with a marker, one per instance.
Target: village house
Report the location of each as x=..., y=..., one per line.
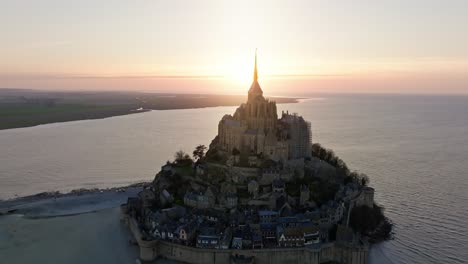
x=283, y=206
x=269, y=175
x=226, y=238
x=212, y=215
x=267, y=216
x=268, y=231
x=153, y=219
x=278, y=186
x=208, y=238
x=246, y=237
x=147, y=197
x=198, y=200
x=257, y=240
x=165, y=198
x=231, y=200
x=237, y=239
x=290, y=236
x=174, y=212
x=168, y=232
x=187, y=232
x=311, y=234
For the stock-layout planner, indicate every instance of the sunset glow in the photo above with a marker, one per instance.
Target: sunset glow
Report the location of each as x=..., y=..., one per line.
x=208, y=46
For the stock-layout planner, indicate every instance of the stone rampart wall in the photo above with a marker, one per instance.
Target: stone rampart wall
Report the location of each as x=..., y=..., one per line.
x=150, y=250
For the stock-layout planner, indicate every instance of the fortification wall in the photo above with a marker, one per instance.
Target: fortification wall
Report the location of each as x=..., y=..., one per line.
x=150, y=250
x=328, y=252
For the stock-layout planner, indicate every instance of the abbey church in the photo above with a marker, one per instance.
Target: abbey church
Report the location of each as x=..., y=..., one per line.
x=255, y=129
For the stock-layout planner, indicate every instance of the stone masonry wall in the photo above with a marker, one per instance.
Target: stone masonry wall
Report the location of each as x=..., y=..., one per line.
x=150, y=250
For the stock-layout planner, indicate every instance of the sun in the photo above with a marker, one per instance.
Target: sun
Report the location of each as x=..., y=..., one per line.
x=241, y=75
x=240, y=70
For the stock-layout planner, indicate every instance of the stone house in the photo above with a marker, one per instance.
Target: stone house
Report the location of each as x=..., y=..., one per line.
x=157, y=233
x=278, y=186
x=208, y=238
x=283, y=206
x=269, y=175
x=257, y=240
x=247, y=237
x=290, y=236
x=213, y=216
x=311, y=234
x=237, y=239
x=187, y=232
x=165, y=198
x=267, y=216
x=198, y=200
x=289, y=221
x=231, y=200
x=168, y=232
x=268, y=231
x=153, y=219
x=226, y=238
x=147, y=197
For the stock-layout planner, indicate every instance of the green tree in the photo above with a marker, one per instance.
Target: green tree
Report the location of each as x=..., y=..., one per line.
x=199, y=152
x=235, y=151
x=179, y=155
x=182, y=158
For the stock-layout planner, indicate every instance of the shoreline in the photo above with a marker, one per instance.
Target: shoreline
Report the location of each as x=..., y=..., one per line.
x=25, y=108
x=75, y=202
x=145, y=110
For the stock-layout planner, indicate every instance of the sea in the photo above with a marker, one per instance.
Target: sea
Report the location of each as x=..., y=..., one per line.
x=414, y=148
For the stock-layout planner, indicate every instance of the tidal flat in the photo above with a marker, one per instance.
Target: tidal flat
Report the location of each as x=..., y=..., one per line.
x=80, y=227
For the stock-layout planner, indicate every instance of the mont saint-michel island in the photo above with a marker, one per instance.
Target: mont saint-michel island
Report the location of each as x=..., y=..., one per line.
x=263, y=192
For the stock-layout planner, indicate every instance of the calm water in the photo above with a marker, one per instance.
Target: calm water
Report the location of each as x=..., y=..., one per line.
x=414, y=148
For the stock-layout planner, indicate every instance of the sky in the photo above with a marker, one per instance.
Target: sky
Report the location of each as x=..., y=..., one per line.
x=304, y=47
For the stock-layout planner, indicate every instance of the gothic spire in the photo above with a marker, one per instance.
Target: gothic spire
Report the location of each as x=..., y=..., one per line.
x=255, y=91
x=255, y=68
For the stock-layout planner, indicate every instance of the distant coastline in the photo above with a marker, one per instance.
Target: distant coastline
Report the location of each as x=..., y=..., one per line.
x=26, y=108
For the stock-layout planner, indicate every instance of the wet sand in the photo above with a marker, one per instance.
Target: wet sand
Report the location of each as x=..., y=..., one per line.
x=72, y=228
x=97, y=237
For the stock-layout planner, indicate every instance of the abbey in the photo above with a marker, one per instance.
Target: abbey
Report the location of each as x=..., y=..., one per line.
x=260, y=194
x=255, y=129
